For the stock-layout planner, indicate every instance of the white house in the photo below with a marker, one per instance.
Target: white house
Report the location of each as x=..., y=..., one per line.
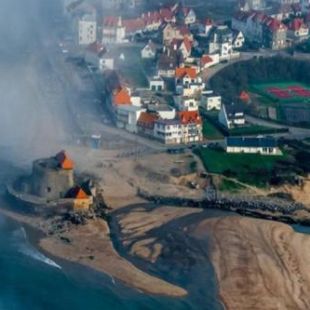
x=156, y=84
x=106, y=62
x=113, y=30
x=168, y=131
x=190, y=16
x=127, y=117
x=222, y=41
x=136, y=99
x=238, y=39
x=232, y=115
x=162, y=110
x=258, y=145
x=210, y=101
x=183, y=47
x=93, y=53
x=186, y=77
x=86, y=29
x=184, y=103
x=149, y=51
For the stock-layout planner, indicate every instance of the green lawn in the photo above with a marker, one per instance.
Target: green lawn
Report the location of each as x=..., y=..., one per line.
x=210, y=131
x=252, y=169
x=230, y=186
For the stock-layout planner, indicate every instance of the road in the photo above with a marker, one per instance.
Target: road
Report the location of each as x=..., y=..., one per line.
x=294, y=132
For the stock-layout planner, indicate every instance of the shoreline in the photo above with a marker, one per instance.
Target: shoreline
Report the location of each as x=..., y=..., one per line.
x=85, y=252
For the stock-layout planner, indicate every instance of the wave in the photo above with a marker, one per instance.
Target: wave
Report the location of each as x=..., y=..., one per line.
x=27, y=249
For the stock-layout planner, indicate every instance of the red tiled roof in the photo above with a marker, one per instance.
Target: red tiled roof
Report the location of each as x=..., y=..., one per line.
x=296, y=24
x=185, y=71
x=166, y=14
x=188, y=44
x=147, y=120
x=133, y=25
x=121, y=97
x=77, y=193
x=206, y=59
x=110, y=21
x=64, y=161
x=178, y=43
x=184, y=30
x=151, y=17
x=244, y=96
x=189, y=117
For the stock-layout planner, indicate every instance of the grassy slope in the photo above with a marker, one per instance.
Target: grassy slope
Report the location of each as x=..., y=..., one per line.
x=211, y=132
x=252, y=169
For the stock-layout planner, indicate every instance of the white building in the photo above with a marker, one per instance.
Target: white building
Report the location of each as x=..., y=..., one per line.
x=190, y=16
x=149, y=51
x=127, y=117
x=163, y=111
x=187, y=82
x=184, y=103
x=223, y=40
x=157, y=84
x=210, y=101
x=136, y=99
x=258, y=145
x=86, y=29
x=168, y=131
x=232, y=115
x=113, y=31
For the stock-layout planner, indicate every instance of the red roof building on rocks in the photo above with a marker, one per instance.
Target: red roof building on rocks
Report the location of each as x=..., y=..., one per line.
x=64, y=161
x=77, y=193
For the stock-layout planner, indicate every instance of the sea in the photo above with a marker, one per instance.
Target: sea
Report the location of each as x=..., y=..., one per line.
x=31, y=279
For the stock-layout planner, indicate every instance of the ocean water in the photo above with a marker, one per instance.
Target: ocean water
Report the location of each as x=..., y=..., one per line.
x=31, y=280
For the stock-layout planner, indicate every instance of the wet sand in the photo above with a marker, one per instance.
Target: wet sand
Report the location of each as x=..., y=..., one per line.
x=259, y=264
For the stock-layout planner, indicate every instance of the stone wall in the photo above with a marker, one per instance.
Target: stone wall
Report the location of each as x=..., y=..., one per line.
x=50, y=183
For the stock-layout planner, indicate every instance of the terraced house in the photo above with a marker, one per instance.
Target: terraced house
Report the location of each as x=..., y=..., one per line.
x=262, y=29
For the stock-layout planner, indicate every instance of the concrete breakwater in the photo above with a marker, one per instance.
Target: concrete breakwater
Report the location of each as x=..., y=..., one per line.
x=259, y=207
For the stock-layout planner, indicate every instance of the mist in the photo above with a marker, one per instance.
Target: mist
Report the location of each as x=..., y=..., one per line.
x=32, y=119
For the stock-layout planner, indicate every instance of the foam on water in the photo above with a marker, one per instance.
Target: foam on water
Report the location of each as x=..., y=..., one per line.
x=27, y=249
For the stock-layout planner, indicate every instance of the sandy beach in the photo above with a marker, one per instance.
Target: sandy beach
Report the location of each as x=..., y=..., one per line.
x=259, y=264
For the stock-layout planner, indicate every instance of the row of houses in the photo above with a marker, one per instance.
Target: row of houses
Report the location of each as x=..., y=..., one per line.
x=270, y=32
x=161, y=122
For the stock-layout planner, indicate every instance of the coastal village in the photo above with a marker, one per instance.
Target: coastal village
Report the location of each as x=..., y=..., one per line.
x=192, y=119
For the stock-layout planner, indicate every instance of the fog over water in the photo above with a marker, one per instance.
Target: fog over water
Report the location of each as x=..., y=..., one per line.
x=32, y=121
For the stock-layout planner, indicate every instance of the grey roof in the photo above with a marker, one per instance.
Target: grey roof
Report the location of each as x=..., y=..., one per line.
x=168, y=121
x=234, y=108
x=251, y=142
